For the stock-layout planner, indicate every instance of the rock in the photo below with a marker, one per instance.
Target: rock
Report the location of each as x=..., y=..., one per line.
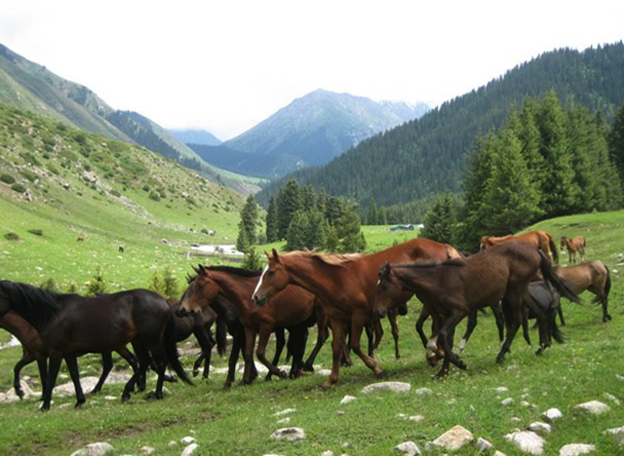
x=542, y=428
x=147, y=450
x=552, y=414
x=397, y=387
x=501, y=389
x=612, y=398
x=454, y=438
x=527, y=442
x=576, y=449
x=172, y=443
x=483, y=445
x=189, y=450
x=291, y=434
x=67, y=389
x=408, y=449
x=285, y=412
x=415, y=418
x=94, y=449
x=323, y=372
x=618, y=433
x=187, y=440
x=499, y=453
x=340, y=412
x=594, y=407
x=507, y=401
x=284, y=420
x=525, y=404
x=423, y=391
x=327, y=453
x=110, y=398
x=347, y=399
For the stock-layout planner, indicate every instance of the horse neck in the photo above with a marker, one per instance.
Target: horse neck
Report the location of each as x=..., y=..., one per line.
x=306, y=273
x=417, y=280
x=236, y=289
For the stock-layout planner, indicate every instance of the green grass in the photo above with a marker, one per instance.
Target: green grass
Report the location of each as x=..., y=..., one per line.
x=240, y=421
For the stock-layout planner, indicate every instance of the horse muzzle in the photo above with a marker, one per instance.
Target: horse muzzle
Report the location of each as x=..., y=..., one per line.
x=258, y=300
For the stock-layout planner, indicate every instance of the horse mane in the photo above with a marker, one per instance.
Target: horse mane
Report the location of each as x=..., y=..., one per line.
x=36, y=305
x=431, y=264
x=234, y=270
x=333, y=259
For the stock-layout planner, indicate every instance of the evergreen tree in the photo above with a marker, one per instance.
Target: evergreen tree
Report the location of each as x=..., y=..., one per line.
x=332, y=241
x=373, y=215
x=349, y=231
x=242, y=241
x=297, y=230
x=271, y=221
x=247, y=226
x=439, y=221
x=252, y=260
x=321, y=201
x=334, y=209
x=288, y=203
x=616, y=142
x=308, y=197
x=316, y=233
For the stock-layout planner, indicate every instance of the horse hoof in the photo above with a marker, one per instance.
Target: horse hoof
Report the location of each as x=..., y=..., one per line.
x=20, y=394
x=195, y=373
x=282, y=374
x=327, y=384
x=268, y=378
x=539, y=352
x=125, y=398
x=380, y=373
x=462, y=365
x=440, y=375
x=308, y=367
x=500, y=359
x=79, y=404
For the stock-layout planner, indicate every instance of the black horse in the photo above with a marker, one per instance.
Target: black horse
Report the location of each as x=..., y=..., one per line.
x=71, y=325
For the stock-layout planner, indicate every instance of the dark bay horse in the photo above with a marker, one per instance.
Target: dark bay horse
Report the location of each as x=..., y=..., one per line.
x=450, y=290
x=71, y=325
x=292, y=309
x=346, y=286
x=574, y=245
x=539, y=239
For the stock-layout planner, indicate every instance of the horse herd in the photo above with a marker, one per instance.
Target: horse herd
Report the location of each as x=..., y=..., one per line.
x=349, y=294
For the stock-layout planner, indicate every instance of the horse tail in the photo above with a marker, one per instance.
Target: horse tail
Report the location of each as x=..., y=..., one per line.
x=553, y=248
x=556, y=333
x=221, y=336
x=607, y=288
x=557, y=282
x=171, y=352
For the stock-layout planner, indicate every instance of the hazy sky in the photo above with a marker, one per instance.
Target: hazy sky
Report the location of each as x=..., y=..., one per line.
x=226, y=65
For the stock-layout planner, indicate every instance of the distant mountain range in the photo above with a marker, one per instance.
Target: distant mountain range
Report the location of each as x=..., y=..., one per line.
x=428, y=155
x=195, y=136
x=310, y=131
x=28, y=85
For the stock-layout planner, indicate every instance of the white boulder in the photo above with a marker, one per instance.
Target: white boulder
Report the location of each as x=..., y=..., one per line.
x=454, y=438
x=527, y=442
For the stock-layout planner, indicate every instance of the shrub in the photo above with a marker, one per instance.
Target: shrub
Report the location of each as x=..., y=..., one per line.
x=97, y=285
x=164, y=283
x=49, y=285
x=7, y=179
x=115, y=193
x=29, y=175
x=36, y=232
x=154, y=196
x=12, y=237
x=19, y=188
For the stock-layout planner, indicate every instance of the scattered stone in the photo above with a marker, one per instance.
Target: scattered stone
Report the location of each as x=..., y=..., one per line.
x=527, y=441
x=397, y=387
x=507, y=401
x=423, y=391
x=542, y=428
x=189, y=450
x=515, y=419
x=187, y=440
x=147, y=450
x=499, y=453
x=110, y=398
x=552, y=414
x=327, y=453
x=454, y=438
x=94, y=449
x=291, y=434
x=594, y=407
x=618, y=433
x=525, y=404
x=483, y=445
x=408, y=449
x=346, y=445
x=612, y=398
x=284, y=420
x=340, y=412
x=285, y=412
x=415, y=418
x=347, y=399
x=501, y=389
x=576, y=449
x=172, y=443
x=323, y=372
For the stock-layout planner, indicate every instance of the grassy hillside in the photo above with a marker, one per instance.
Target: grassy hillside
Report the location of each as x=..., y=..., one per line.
x=241, y=421
x=72, y=184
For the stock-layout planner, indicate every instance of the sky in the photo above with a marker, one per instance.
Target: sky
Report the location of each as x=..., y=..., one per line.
x=226, y=65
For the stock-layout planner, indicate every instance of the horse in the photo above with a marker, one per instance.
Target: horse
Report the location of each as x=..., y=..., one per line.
x=291, y=309
x=71, y=325
x=590, y=276
x=452, y=289
x=574, y=245
x=346, y=286
x=539, y=239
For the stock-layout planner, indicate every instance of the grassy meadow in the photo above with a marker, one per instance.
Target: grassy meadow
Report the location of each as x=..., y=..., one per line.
x=241, y=420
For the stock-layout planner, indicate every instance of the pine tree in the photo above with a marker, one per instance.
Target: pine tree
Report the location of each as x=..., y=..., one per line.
x=334, y=209
x=332, y=241
x=297, y=230
x=288, y=203
x=252, y=260
x=316, y=233
x=439, y=221
x=349, y=231
x=308, y=198
x=242, y=241
x=616, y=142
x=373, y=215
x=271, y=221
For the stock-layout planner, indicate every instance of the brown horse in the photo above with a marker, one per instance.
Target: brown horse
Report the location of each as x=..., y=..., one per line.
x=590, y=276
x=346, y=286
x=71, y=325
x=452, y=289
x=291, y=309
x=574, y=245
x=539, y=239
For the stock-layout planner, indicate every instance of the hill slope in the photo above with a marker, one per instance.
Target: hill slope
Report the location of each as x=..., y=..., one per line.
x=193, y=136
x=427, y=156
x=317, y=127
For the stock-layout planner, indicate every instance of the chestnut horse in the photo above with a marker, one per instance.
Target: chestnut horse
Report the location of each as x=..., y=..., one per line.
x=451, y=290
x=590, y=276
x=574, y=245
x=539, y=239
x=291, y=309
x=346, y=286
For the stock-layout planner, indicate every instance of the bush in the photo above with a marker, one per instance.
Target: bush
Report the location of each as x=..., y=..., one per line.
x=49, y=285
x=19, y=188
x=29, y=175
x=12, y=237
x=115, y=193
x=7, y=179
x=97, y=285
x=36, y=232
x=164, y=283
x=154, y=196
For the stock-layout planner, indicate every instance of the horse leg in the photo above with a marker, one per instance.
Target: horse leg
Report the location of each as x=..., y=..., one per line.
x=54, y=367
x=27, y=358
x=605, y=312
x=205, y=343
x=424, y=314
x=472, y=324
x=321, y=337
x=392, y=318
x=378, y=331
x=279, y=347
x=346, y=350
x=357, y=324
x=525, y=328
x=158, y=356
x=263, y=339
x=445, y=338
x=541, y=322
x=338, y=343
x=512, y=329
x=250, y=341
x=560, y=312
x=107, y=366
x=233, y=360
x=72, y=365
x=371, y=338
x=132, y=360
x=144, y=361
x=500, y=321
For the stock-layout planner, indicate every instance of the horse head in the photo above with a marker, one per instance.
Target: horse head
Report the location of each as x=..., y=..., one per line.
x=202, y=289
x=389, y=288
x=274, y=279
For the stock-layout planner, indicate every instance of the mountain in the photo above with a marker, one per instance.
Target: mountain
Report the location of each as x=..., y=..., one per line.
x=192, y=136
x=315, y=128
x=28, y=85
x=428, y=155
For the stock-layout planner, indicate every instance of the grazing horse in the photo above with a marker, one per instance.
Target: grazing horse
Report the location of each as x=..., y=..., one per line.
x=346, y=286
x=539, y=239
x=293, y=309
x=71, y=325
x=574, y=245
x=590, y=276
x=452, y=289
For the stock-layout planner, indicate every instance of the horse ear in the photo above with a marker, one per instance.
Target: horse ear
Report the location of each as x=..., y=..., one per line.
x=196, y=269
x=267, y=254
x=276, y=256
